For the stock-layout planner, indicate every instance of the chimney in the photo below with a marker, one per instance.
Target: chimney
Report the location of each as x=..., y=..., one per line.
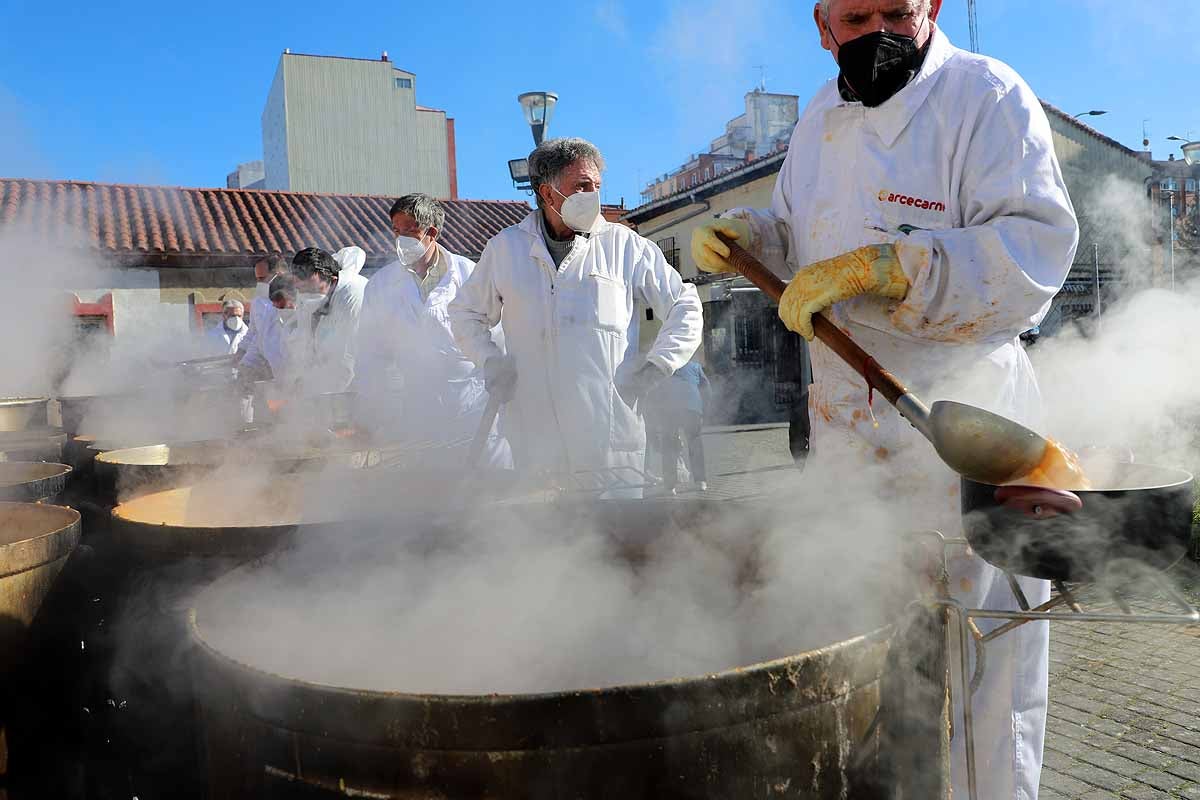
x=384, y=57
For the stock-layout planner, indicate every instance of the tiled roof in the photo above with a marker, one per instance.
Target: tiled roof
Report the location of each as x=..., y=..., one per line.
x=1055, y=111
x=171, y=226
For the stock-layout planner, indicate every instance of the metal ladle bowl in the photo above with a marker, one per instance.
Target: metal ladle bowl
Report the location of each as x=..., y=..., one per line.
x=983, y=446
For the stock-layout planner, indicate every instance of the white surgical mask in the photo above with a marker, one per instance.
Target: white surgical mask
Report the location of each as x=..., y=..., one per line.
x=580, y=211
x=262, y=290
x=234, y=324
x=410, y=251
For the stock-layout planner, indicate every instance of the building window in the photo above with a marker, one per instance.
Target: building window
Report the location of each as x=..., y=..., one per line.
x=705, y=173
x=1191, y=184
x=403, y=83
x=669, y=250
x=1169, y=185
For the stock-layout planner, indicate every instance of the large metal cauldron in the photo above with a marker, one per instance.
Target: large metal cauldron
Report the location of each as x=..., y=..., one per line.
x=788, y=728
x=1136, y=511
x=140, y=470
x=161, y=547
x=812, y=725
x=87, y=413
x=33, y=444
x=35, y=542
x=22, y=413
x=31, y=481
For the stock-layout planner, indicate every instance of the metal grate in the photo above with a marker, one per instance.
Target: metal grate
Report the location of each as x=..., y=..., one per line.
x=670, y=251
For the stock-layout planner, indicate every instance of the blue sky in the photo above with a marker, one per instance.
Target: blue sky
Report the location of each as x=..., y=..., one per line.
x=171, y=93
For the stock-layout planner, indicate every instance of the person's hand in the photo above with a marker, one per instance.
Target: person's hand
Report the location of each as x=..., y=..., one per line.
x=709, y=252
x=638, y=385
x=500, y=377
x=874, y=269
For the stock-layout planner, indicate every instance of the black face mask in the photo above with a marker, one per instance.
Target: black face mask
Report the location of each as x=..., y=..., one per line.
x=877, y=65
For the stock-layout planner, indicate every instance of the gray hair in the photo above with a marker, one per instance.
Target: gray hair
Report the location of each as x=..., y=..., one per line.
x=233, y=303
x=550, y=158
x=427, y=212
x=827, y=5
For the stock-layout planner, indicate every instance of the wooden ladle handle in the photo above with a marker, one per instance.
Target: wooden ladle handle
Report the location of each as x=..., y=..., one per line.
x=876, y=376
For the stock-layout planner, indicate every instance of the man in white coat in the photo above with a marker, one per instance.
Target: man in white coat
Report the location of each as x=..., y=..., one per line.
x=562, y=285
x=224, y=339
x=922, y=206
x=415, y=385
x=328, y=324
x=252, y=361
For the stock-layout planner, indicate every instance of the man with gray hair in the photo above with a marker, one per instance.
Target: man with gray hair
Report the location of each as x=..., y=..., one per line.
x=415, y=385
x=223, y=339
x=921, y=205
x=562, y=285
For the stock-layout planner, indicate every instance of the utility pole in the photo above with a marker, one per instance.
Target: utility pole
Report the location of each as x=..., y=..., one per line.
x=1171, y=239
x=1096, y=265
x=973, y=22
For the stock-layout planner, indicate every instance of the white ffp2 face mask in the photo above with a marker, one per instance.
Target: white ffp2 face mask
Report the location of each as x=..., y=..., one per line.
x=580, y=211
x=262, y=290
x=409, y=250
x=234, y=324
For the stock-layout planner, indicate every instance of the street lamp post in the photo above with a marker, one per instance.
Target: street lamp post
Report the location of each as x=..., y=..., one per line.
x=538, y=108
x=1090, y=114
x=1096, y=266
x=1171, y=238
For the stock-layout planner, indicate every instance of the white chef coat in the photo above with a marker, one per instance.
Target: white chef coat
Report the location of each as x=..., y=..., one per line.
x=415, y=384
x=958, y=171
x=572, y=332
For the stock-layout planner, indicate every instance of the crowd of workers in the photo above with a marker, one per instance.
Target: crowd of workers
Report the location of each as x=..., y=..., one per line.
x=939, y=284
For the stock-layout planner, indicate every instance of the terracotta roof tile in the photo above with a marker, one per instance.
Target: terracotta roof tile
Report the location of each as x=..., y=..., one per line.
x=165, y=226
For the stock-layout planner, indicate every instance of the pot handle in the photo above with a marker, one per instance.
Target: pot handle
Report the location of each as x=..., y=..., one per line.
x=1038, y=502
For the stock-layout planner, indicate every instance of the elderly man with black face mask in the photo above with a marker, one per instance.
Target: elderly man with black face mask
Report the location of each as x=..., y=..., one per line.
x=562, y=286
x=922, y=207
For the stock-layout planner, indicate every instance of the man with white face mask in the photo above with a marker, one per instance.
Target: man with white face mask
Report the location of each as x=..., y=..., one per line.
x=223, y=339
x=252, y=361
x=562, y=285
x=327, y=318
x=414, y=384
x=921, y=205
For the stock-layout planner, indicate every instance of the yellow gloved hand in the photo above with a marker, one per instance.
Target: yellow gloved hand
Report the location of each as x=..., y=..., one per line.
x=709, y=252
x=874, y=269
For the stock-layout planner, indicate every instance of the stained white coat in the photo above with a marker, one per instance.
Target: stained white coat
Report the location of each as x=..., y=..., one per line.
x=958, y=171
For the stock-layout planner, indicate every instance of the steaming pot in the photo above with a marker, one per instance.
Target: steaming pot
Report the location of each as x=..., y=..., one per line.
x=1136, y=511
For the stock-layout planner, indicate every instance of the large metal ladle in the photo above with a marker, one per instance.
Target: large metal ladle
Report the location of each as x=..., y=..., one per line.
x=978, y=444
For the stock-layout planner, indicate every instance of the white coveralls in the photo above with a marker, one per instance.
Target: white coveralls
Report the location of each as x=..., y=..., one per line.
x=323, y=355
x=958, y=171
x=415, y=385
x=220, y=341
x=262, y=316
x=572, y=333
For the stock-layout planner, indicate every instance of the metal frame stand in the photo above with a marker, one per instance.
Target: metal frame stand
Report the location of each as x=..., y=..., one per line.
x=1129, y=578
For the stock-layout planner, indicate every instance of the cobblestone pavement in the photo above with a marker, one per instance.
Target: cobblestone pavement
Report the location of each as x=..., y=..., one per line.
x=1124, y=717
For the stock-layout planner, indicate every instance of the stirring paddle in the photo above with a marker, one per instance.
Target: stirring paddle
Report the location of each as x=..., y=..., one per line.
x=978, y=444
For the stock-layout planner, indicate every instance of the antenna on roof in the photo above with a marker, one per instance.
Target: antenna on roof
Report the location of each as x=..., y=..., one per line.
x=762, y=78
